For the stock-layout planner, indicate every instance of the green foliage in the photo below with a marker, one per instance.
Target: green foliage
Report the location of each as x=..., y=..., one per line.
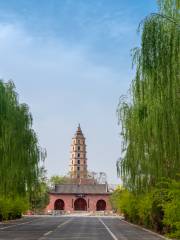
x=150, y=122
x=56, y=179
x=158, y=209
x=115, y=199
x=20, y=154
x=145, y=205
x=39, y=197
x=12, y=208
x=125, y=202
x=129, y=206
x=150, y=160
x=172, y=209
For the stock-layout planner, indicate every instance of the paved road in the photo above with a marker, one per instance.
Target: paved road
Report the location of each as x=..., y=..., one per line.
x=73, y=228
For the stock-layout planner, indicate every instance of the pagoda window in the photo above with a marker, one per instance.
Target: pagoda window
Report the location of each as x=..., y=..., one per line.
x=78, y=148
x=78, y=161
x=78, y=154
x=78, y=168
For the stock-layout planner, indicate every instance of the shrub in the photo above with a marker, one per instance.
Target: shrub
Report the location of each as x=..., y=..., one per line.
x=145, y=210
x=126, y=202
x=158, y=209
x=172, y=209
x=12, y=208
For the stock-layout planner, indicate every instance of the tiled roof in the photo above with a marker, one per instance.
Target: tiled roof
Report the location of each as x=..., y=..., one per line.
x=81, y=189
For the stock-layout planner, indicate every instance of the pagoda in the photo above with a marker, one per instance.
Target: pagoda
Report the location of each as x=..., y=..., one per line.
x=78, y=159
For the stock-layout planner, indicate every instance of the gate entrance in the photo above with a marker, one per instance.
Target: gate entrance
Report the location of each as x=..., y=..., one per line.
x=80, y=205
x=101, y=205
x=59, y=204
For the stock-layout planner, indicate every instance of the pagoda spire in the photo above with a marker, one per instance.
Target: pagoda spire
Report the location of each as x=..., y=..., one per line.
x=79, y=128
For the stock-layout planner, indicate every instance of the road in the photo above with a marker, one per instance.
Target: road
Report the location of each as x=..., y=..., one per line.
x=73, y=228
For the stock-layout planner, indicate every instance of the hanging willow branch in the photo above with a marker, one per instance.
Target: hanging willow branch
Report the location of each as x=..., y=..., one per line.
x=167, y=18
x=20, y=153
x=151, y=122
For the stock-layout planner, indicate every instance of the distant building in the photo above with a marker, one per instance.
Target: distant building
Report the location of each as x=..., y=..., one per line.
x=84, y=194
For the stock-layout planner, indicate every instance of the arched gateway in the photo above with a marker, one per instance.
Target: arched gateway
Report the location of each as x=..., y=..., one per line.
x=80, y=204
x=59, y=204
x=101, y=205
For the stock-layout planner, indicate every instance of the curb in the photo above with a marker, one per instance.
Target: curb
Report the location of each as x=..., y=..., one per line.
x=147, y=230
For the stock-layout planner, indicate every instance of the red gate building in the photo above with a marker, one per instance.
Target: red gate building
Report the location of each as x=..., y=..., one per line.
x=85, y=194
x=79, y=197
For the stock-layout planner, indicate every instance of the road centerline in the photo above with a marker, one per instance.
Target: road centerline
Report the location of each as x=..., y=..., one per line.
x=64, y=223
x=59, y=226
x=109, y=231
x=46, y=234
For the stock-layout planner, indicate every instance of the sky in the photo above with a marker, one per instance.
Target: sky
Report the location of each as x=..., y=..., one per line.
x=71, y=61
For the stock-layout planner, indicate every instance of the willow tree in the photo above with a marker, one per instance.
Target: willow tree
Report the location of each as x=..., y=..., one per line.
x=151, y=121
x=20, y=153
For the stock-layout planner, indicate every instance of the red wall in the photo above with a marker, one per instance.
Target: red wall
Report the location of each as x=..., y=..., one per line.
x=70, y=199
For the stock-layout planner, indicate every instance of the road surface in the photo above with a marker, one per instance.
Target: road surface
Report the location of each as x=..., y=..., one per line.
x=73, y=228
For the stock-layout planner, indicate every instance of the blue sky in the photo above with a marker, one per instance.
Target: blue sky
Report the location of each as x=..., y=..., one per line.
x=70, y=61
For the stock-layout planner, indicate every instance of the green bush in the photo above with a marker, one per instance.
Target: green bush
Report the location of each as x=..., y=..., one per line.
x=145, y=210
x=12, y=208
x=158, y=209
x=129, y=206
x=116, y=200
x=4, y=209
x=125, y=202
x=172, y=209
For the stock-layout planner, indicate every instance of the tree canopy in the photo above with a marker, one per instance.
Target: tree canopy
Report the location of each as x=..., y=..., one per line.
x=20, y=153
x=151, y=119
